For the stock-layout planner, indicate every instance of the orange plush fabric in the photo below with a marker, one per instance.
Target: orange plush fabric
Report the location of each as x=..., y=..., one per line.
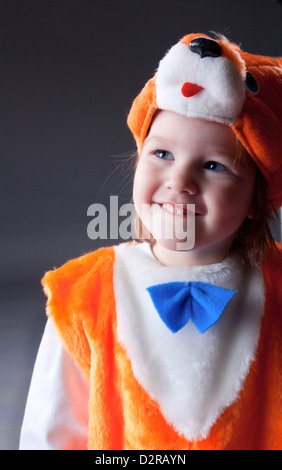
x=259, y=125
x=121, y=414
x=81, y=301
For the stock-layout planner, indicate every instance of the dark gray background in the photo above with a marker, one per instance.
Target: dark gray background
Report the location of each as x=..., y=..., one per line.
x=69, y=70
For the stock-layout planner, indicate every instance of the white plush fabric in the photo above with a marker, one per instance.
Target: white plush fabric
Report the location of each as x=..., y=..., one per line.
x=192, y=376
x=223, y=95
x=56, y=413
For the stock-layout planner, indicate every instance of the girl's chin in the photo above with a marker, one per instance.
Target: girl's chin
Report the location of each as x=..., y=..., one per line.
x=175, y=245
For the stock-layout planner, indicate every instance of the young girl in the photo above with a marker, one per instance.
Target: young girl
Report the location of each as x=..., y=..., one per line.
x=175, y=342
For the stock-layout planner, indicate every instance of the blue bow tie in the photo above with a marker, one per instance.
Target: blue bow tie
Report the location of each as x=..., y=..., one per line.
x=177, y=302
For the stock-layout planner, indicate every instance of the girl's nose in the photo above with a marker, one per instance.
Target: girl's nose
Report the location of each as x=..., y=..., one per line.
x=180, y=180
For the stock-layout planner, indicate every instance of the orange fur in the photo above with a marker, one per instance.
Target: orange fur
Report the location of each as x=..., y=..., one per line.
x=121, y=414
x=259, y=127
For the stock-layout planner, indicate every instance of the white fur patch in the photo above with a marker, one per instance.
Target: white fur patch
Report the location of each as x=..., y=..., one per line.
x=223, y=93
x=192, y=376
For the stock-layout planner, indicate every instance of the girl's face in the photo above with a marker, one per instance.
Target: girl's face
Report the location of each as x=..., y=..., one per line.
x=192, y=161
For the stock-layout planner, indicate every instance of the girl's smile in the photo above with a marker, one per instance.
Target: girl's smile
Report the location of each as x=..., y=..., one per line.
x=177, y=209
x=193, y=162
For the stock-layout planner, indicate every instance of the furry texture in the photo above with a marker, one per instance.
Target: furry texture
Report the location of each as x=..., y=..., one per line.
x=255, y=115
x=193, y=377
x=81, y=301
x=223, y=93
x=122, y=415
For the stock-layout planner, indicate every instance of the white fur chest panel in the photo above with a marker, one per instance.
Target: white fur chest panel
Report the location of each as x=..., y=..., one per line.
x=192, y=376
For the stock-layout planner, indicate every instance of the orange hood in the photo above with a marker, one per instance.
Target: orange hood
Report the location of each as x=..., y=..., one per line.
x=204, y=78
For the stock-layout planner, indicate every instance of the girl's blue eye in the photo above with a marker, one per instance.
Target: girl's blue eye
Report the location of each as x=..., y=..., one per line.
x=164, y=155
x=215, y=166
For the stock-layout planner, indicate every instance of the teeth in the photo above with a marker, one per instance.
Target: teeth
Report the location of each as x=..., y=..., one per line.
x=169, y=208
x=178, y=210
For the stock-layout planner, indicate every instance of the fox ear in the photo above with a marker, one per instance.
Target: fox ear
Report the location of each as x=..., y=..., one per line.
x=142, y=111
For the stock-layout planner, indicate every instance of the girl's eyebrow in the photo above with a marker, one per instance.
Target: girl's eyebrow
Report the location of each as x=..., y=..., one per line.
x=160, y=139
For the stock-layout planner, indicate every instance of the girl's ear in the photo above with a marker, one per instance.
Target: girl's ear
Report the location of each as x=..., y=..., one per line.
x=252, y=209
x=250, y=214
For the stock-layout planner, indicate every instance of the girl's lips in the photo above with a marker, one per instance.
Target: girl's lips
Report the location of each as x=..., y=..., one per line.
x=178, y=209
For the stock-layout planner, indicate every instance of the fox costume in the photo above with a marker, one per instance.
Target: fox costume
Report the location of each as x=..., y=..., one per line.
x=149, y=387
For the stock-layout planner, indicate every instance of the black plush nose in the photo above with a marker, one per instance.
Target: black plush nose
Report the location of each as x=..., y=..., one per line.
x=205, y=47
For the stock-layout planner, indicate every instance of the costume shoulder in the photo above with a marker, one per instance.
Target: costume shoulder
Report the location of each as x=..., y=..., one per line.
x=75, y=292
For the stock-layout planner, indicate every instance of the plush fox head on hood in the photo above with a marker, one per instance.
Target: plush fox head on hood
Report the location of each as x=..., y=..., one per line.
x=201, y=77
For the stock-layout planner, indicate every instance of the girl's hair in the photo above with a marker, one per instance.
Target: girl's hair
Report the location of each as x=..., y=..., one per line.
x=254, y=238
